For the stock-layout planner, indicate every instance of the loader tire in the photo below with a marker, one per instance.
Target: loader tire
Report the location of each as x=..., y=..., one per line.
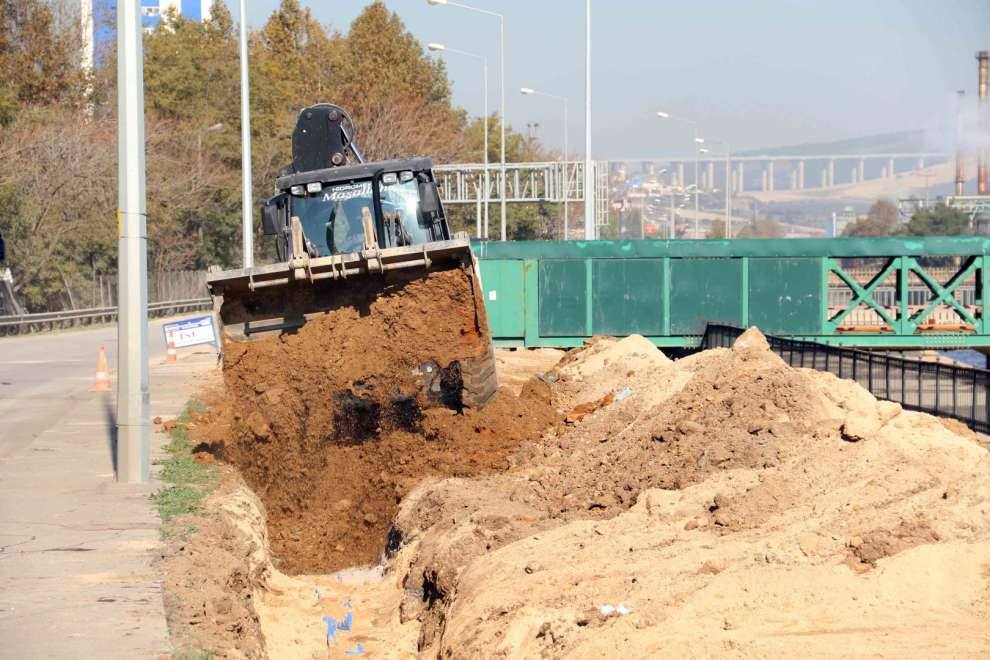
x=479, y=379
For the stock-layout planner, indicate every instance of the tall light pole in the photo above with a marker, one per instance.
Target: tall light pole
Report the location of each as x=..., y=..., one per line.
x=132, y=248
x=728, y=186
x=697, y=140
x=527, y=91
x=247, y=224
x=589, y=168
x=484, y=64
x=501, y=92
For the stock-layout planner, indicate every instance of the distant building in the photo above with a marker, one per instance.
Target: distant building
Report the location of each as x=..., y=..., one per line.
x=99, y=20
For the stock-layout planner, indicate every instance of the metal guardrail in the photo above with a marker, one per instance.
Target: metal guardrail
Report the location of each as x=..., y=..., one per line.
x=945, y=390
x=27, y=323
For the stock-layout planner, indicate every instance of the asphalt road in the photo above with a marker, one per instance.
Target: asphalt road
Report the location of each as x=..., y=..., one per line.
x=42, y=375
x=76, y=547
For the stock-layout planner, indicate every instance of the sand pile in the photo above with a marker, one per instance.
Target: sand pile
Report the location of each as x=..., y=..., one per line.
x=330, y=426
x=730, y=503
x=721, y=505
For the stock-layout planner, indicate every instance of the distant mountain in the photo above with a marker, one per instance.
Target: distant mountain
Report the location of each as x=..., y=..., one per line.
x=901, y=142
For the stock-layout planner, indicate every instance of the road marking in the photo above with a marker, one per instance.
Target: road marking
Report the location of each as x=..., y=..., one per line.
x=41, y=361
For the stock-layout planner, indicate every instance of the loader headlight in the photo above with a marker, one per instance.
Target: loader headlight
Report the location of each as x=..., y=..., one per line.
x=390, y=178
x=405, y=176
x=297, y=190
x=314, y=187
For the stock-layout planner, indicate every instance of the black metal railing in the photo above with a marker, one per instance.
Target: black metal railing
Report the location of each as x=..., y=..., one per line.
x=945, y=390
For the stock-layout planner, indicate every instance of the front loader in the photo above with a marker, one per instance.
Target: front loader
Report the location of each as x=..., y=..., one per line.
x=338, y=226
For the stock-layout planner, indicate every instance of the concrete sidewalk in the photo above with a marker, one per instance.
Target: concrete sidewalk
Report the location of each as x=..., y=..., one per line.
x=76, y=548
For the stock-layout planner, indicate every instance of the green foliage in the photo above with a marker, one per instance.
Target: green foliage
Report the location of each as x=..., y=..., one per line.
x=189, y=481
x=940, y=220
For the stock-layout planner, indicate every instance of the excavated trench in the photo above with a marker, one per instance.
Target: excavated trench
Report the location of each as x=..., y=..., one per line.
x=333, y=424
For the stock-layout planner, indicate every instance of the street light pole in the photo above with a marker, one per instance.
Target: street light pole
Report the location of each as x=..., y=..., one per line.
x=501, y=56
x=589, y=168
x=247, y=225
x=697, y=140
x=728, y=186
x=484, y=62
x=132, y=464
x=527, y=91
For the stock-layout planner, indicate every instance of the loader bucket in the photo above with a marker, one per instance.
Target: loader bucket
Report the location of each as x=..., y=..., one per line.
x=268, y=301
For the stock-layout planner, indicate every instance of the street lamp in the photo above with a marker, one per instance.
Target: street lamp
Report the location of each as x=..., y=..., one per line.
x=728, y=186
x=501, y=91
x=526, y=91
x=484, y=63
x=698, y=140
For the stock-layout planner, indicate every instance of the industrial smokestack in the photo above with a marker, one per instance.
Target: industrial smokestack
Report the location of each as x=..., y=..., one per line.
x=960, y=149
x=982, y=58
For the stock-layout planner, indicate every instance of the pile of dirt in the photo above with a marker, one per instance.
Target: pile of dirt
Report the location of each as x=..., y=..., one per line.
x=673, y=474
x=724, y=504
x=210, y=578
x=333, y=424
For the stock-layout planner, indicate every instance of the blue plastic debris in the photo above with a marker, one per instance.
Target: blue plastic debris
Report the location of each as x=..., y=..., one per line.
x=346, y=624
x=331, y=627
x=357, y=650
x=622, y=394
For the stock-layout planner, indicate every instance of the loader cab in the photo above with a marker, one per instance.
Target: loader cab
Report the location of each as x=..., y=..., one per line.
x=398, y=199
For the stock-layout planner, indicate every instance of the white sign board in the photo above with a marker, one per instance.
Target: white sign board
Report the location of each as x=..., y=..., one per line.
x=190, y=332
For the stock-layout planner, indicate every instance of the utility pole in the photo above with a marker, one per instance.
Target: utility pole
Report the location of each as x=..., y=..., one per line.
x=589, y=167
x=247, y=212
x=132, y=252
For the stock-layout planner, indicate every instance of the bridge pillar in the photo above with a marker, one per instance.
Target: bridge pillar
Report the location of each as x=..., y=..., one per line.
x=883, y=172
x=769, y=184
x=711, y=175
x=853, y=175
x=680, y=174
x=861, y=171
x=800, y=175
x=740, y=178
x=792, y=177
x=890, y=168
x=824, y=178
x=763, y=185
x=831, y=173
x=921, y=163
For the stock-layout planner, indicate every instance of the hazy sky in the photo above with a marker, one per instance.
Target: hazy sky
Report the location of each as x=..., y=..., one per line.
x=758, y=73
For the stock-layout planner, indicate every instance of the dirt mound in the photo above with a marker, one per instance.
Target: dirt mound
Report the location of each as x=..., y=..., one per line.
x=791, y=466
x=333, y=424
x=210, y=578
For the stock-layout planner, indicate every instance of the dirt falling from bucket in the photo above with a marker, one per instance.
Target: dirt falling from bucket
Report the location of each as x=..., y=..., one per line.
x=330, y=426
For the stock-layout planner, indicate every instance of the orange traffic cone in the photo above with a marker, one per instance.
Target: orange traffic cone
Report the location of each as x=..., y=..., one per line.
x=170, y=354
x=102, y=377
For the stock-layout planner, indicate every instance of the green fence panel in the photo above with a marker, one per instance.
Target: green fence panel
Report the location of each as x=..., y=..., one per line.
x=704, y=291
x=504, y=293
x=627, y=296
x=563, y=298
x=785, y=295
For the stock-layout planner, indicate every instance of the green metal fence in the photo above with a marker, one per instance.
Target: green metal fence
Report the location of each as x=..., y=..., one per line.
x=880, y=292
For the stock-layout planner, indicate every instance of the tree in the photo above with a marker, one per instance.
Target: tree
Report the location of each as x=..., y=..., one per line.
x=880, y=220
x=762, y=228
x=39, y=57
x=940, y=220
x=717, y=230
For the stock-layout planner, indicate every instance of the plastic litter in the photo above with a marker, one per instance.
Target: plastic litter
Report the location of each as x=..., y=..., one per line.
x=619, y=609
x=548, y=378
x=347, y=623
x=357, y=650
x=331, y=627
x=622, y=394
